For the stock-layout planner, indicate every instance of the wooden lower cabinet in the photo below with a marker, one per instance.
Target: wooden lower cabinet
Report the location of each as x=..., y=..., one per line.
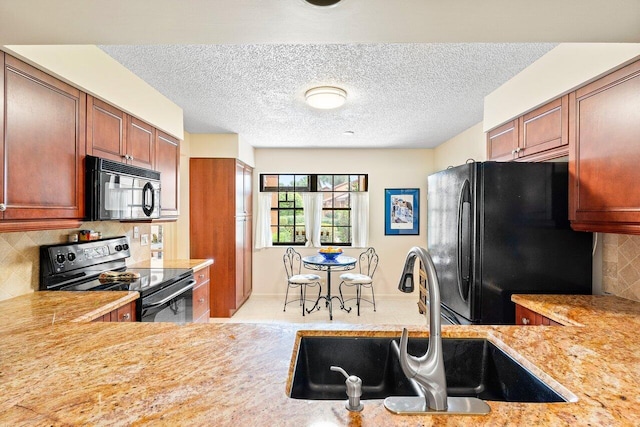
x=201, y=296
x=126, y=313
x=525, y=316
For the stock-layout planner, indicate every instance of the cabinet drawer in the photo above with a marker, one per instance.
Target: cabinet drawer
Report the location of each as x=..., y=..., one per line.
x=201, y=276
x=126, y=313
x=201, y=302
x=525, y=316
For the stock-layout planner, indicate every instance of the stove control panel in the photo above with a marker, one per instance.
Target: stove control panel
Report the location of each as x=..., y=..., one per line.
x=55, y=259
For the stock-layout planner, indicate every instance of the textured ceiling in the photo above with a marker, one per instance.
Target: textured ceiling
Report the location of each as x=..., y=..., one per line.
x=416, y=70
x=399, y=95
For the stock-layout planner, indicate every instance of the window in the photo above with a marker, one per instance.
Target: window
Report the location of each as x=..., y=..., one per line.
x=287, y=214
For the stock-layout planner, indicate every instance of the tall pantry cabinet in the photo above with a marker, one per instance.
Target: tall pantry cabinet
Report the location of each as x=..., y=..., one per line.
x=220, y=198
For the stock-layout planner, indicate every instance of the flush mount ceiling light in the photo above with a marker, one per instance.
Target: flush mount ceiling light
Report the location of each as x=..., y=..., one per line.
x=325, y=97
x=322, y=3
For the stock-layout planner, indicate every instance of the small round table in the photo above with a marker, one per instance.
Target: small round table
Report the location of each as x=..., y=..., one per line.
x=340, y=263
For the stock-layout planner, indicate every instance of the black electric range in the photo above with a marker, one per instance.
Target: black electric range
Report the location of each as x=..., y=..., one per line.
x=165, y=293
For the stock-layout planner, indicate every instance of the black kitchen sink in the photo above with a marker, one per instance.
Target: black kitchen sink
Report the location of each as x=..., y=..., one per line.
x=474, y=368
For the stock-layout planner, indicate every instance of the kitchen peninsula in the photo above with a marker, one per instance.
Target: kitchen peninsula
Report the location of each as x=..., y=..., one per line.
x=87, y=373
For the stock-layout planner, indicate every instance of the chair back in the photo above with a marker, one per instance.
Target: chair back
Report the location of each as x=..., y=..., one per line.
x=368, y=262
x=292, y=262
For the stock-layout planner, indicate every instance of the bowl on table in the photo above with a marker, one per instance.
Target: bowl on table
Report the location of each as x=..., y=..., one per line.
x=330, y=253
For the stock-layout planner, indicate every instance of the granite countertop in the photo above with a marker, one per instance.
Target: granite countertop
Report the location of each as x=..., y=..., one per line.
x=194, y=264
x=236, y=374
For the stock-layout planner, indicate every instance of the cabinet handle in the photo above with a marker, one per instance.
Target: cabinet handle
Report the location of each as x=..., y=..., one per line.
x=126, y=316
x=3, y=207
x=200, y=276
x=525, y=321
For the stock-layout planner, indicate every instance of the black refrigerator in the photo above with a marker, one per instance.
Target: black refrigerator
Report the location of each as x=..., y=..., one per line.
x=495, y=229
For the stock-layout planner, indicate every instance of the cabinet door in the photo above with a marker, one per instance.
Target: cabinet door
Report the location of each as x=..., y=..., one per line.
x=140, y=141
x=106, y=129
x=240, y=199
x=604, y=137
x=168, y=164
x=544, y=129
x=502, y=142
x=43, y=145
x=248, y=258
x=248, y=187
x=240, y=259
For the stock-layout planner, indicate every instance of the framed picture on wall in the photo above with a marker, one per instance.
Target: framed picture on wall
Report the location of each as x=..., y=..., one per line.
x=402, y=211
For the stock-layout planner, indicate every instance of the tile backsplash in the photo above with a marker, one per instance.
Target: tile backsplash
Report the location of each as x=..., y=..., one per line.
x=20, y=257
x=621, y=265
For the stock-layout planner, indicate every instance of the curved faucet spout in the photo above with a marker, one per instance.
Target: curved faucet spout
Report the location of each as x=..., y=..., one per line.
x=427, y=370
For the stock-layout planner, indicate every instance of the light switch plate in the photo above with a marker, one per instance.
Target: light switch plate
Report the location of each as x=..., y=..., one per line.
x=136, y=232
x=144, y=240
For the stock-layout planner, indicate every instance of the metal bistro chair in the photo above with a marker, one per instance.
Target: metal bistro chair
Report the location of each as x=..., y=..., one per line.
x=292, y=265
x=367, y=263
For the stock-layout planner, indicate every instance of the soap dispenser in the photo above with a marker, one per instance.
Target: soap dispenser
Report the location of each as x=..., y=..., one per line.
x=354, y=389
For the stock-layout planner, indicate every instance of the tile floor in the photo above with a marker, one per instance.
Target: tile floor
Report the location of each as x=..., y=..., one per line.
x=389, y=311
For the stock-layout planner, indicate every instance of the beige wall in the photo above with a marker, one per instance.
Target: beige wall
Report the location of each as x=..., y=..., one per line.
x=470, y=144
x=564, y=68
x=93, y=71
x=386, y=169
x=227, y=145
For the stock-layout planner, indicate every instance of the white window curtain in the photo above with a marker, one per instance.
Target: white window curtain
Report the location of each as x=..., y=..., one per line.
x=312, y=207
x=360, y=219
x=263, y=238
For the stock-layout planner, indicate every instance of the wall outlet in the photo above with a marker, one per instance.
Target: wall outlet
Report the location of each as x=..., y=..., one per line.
x=144, y=240
x=136, y=232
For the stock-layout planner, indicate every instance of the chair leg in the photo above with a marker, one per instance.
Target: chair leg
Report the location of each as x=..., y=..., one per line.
x=286, y=295
x=373, y=298
x=347, y=309
x=358, y=295
x=316, y=306
x=303, y=295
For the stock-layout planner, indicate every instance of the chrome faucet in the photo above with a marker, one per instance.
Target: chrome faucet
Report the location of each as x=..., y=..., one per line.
x=428, y=370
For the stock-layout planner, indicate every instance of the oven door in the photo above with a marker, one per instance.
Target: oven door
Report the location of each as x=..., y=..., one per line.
x=171, y=304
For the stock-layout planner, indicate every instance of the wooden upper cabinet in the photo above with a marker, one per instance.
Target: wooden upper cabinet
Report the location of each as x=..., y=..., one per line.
x=604, y=138
x=502, y=142
x=112, y=134
x=43, y=146
x=545, y=128
x=106, y=127
x=541, y=134
x=140, y=142
x=167, y=162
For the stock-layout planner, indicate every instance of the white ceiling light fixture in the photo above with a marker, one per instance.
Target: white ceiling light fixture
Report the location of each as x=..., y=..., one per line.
x=326, y=97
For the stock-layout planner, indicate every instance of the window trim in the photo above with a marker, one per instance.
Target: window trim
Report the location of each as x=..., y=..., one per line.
x=312, y=187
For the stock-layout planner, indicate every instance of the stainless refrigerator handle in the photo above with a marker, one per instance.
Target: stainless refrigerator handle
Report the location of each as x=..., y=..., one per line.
x=461, y=201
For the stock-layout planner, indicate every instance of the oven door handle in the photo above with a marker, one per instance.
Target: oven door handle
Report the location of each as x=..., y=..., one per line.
x=191, y=284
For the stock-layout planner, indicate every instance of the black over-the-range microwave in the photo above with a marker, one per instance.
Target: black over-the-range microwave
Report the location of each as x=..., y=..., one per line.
x=117, y=191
